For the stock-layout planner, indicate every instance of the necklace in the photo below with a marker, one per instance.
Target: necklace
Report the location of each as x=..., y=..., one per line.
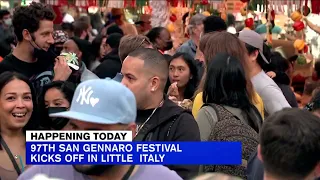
x=20, y=161
x=140, y=127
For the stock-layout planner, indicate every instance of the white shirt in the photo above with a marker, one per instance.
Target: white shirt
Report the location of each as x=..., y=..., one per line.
x=272, y=96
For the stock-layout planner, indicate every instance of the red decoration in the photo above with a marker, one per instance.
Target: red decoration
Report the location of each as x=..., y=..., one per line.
x=249, y=22
x=183, y=3
x=147, y=9
x=298, y=78
x=59, y=17
x=244, y=1
x=174, y=3
x=315, y=6
x=273, y=15
x=204, y=2
x=315, y=76
x=129, y=3
x=298, y=26
x=305, y=49
x=86, y=4
x=173, y=18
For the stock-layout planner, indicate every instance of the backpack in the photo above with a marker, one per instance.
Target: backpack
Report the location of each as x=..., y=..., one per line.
x=230, y=128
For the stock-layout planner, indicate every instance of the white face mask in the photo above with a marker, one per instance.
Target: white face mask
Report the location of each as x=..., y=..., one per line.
x=8, y=22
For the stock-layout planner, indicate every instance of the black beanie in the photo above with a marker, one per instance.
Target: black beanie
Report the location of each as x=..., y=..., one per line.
x=113, y=40
x=83, y=45
x=114, y=29
x=86, y=49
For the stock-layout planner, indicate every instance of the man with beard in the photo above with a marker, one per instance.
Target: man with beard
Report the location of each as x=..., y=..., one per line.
x=145, y=72
x=32, y=57
x=114, y=110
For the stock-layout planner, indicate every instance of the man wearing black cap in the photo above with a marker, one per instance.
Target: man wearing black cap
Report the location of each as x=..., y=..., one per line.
x=111, y=64
x=81, y=48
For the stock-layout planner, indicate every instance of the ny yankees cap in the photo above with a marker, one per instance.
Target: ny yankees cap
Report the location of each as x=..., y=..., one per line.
x=102, y=101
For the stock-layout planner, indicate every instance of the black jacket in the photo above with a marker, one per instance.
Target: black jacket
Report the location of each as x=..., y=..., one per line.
x=255, y=169
x=171, y=123
x=283, y=81
x=6, y=39
x=110, y=66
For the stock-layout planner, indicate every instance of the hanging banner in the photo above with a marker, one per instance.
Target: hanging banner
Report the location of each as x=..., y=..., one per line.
x=115, y=4
x=52, y=2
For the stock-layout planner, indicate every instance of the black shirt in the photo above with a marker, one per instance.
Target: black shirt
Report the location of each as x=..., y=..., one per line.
x=39, y=72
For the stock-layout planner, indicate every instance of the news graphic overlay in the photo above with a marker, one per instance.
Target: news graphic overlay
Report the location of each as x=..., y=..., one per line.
x=117, y=147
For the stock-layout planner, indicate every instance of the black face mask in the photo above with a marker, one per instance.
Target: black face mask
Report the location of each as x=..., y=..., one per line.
x=42, y=54
x=57, y=123
x=39, y=53
x=169, y=45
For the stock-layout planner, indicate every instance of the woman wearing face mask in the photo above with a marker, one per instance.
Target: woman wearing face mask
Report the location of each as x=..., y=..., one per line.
x=17, y=115
x=183, y=77
x=160, y=38
x=6, y=31
x=56, y=97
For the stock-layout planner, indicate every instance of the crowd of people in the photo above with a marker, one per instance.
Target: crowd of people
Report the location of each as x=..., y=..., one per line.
x=216, y=86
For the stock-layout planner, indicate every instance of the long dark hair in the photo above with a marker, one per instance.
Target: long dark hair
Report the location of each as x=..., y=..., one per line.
x=192, y=84
x=67, y=88
x=7, y=77
x=225, y=84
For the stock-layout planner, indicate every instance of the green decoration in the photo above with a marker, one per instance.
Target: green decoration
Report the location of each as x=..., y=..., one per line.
x=72, y=60
x=301, y=60
x=23, y=3
x=140, y=3
x=101, y=3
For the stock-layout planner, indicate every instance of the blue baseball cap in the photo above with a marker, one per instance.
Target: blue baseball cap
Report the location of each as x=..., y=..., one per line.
x=102, y=101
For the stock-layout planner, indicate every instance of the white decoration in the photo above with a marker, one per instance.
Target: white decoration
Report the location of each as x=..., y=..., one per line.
x=312, y=37
x=52, y=2
x=160, y=13
x=115, y=4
